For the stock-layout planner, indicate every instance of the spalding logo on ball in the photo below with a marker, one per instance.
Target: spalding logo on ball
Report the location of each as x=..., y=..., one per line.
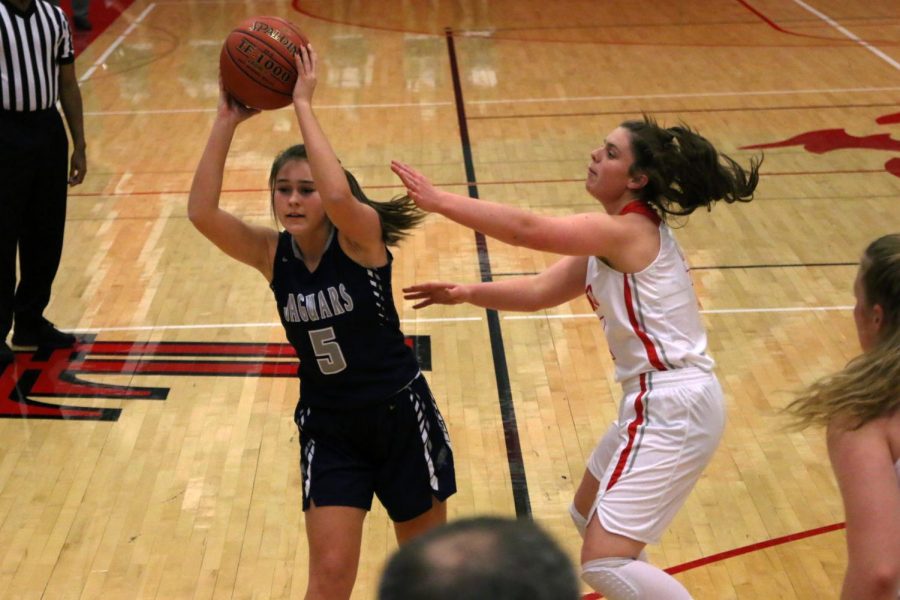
x=257, y=62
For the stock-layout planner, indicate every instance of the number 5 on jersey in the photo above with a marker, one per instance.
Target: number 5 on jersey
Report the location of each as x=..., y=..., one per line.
x=328, y=351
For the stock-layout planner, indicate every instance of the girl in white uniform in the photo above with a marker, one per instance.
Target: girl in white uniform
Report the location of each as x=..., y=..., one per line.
x=860, y=406
x=627, y=262
x=672, y=414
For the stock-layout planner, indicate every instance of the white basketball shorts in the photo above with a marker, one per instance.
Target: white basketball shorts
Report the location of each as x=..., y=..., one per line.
x=669, y=425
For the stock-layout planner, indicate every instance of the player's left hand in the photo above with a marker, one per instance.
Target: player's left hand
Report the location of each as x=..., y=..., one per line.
x=77, y=167
x=305, y=60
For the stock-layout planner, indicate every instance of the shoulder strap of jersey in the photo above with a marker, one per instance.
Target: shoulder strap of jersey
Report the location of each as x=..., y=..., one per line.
x=641, y=208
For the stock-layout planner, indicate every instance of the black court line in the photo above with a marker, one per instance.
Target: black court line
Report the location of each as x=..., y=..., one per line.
x=501, y=371
x=777, y=266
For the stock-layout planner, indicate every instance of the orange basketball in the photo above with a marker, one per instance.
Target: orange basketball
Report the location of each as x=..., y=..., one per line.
x=257, y=62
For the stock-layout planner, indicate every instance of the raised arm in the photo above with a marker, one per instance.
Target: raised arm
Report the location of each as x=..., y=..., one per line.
x=358, y=223
x=249, y=244
x=865, y=473
x=561, y=282
x=587, y=234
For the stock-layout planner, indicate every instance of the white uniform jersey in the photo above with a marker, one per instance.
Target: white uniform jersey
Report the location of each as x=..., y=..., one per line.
x=651, y=319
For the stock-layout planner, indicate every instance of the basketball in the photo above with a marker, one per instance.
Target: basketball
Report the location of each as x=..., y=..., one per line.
x=257, y=62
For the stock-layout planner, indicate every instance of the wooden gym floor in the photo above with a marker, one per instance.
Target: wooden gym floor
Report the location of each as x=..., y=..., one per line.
x=160, y=460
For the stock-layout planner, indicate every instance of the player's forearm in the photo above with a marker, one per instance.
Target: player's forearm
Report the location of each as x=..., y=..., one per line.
x=207, y=184
x=323, y=162
x=70, y=100
x=512, y=295
x=507, y=224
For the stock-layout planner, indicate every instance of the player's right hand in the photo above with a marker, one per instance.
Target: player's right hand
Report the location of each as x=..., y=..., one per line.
x=229, y=107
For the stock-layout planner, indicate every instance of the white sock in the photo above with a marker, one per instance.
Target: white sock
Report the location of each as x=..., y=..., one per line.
x=627, y=579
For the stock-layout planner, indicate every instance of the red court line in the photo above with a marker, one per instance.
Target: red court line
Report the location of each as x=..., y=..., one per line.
x=781, y=29
x=767, y=20
x=785, y=539
x=463, y=183
x=498, y=34
x=706, y=560
x=603, y=113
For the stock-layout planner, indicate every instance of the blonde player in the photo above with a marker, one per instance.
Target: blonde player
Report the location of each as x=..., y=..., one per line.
x=628, y=264
x=859, y=405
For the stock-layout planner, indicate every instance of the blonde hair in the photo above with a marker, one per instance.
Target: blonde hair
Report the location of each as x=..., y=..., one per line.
x=869, y=386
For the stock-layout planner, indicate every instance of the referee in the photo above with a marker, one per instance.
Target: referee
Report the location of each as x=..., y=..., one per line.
x=37, y=68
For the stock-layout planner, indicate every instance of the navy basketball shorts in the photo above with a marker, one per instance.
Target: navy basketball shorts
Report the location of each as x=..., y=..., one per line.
x=397, y=450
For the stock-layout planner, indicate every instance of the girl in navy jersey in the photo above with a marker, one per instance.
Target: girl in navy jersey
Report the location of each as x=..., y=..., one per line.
x=629, y=265
x=860, y=406
x=368, y=423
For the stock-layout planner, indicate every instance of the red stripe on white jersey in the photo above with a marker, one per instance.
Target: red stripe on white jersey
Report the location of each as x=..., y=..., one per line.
x=652, y=356
x=632, y=433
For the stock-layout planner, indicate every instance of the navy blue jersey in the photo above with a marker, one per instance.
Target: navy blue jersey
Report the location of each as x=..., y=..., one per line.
x=342, y=322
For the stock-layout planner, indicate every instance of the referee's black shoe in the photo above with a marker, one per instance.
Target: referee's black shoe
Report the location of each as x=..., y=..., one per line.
x=6, y=354
x=43, y=335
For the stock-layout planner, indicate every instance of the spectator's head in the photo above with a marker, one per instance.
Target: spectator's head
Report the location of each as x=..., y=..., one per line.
x=485, y=557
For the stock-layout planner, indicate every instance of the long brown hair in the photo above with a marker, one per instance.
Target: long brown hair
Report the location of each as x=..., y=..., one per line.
x=684, y=170
x=869, y=386
x=399, y=216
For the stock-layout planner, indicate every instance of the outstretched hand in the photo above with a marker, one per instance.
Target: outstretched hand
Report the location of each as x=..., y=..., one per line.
x=434, y=292
x=422, y=192
x=305, y=60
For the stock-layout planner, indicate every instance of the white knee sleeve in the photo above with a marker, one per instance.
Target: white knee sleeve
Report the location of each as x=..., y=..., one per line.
x=604, y=575
x=579, y=519
x=627, y=579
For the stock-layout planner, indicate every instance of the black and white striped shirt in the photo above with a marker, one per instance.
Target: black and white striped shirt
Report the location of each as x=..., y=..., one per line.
x=33, y=44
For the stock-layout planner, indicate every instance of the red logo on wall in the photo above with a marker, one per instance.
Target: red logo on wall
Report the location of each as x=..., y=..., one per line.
x=826, y=140
x=57, y=373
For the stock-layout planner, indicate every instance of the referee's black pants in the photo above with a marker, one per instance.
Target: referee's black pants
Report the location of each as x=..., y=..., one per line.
x=34, y=170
